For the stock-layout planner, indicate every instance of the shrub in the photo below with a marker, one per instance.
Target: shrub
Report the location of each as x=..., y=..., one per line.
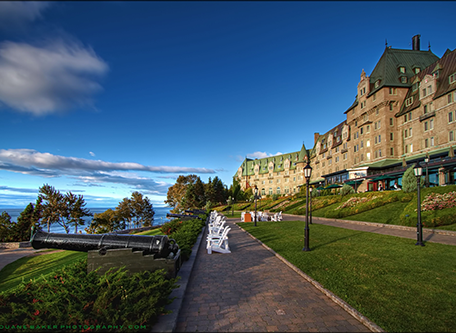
x=71, y=296
x=347, y=189
x=172, y=226
x=409, y=181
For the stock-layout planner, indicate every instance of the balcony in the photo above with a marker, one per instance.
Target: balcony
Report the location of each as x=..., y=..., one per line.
x=427, y=115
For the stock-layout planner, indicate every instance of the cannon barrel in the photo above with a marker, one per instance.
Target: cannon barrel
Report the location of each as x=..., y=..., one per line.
x=161, y=246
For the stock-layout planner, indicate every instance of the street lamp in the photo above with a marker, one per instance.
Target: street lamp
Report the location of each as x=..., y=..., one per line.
x=418, y=170
x=256, y=197
x=426, y=159
x=307, y=174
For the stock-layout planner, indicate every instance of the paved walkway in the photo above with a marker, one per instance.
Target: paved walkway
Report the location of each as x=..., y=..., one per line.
x=253, y=290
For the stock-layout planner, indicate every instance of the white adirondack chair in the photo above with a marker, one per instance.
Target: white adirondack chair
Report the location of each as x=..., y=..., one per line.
x=218, y=243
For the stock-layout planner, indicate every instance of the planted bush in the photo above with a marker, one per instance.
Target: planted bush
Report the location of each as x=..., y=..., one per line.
x=73, y=300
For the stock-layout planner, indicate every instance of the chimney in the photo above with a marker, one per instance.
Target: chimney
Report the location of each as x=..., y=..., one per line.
x=316, y=136
x=416, y=42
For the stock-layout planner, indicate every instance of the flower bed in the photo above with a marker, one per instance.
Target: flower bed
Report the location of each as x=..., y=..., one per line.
x=437, y=201
x=355, y=201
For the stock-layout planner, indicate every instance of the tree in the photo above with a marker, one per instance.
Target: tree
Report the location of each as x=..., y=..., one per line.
x=53, y=206
x=409, y=181
x=177, y=192
x=28, y=219
x=5, y=227
x=136, y=210
x=105, y=222
x=75, y=210
x=65, y=210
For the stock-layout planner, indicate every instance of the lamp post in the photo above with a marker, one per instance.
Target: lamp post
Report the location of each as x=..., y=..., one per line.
x=256, y=197
x=307, y=174
x=418, y=170
x=310, y=206
x=426, y=159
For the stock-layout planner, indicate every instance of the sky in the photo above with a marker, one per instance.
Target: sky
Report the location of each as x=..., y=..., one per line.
x=106, y=98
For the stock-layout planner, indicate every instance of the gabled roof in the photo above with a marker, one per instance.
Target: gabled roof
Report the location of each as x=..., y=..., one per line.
x=387, y=68
x=330, y=133
x=446, y=66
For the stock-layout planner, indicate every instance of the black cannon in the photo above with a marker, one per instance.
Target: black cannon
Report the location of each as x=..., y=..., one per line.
x=196, y=211
x=135, y=252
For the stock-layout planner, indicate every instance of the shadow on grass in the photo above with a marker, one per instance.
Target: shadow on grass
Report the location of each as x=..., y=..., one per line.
x=337, y=239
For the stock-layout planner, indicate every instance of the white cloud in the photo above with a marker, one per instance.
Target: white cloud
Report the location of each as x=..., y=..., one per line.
x=92, y=153
x=29, y=161
x=16, y=13
x=49, y=78
x=259, y=154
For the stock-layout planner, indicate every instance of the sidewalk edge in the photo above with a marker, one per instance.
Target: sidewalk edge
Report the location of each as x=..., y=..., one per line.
x=168, y=322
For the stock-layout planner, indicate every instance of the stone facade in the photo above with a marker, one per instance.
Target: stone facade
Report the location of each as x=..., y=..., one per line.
x=404, y=111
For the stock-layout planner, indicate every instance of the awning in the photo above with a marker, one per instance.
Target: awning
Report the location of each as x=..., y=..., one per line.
x=354, y=181
x=332, y=186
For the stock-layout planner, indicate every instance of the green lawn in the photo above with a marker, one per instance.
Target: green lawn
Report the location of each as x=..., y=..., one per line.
x=31, y=268
x=387, y=214
x=399, y=286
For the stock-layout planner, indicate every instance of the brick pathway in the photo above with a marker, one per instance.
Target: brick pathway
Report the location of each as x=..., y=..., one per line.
x=252, y=290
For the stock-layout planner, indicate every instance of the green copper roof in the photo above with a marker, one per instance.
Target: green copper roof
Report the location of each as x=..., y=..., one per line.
x=387, y=68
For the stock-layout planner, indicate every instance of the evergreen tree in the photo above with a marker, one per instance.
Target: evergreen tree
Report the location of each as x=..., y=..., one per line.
x=409, y=180
x=5, y=227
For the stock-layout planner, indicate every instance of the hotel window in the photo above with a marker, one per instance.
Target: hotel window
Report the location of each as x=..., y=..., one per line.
x=431, y=124
x=377, y=84
x=451, y=97
x=368, y=143
x=330, y=162
x=345, y=156
x=426, y=143
x=452, y=78
x=426, y=127
x=436, y=75
x=361, y=158
x=392, y=151
x=393, y=91
x=429, y=90
x=337, y=159
x=337, y=149
x=278, y=190
x=451, y=136
x=379, y=153
x=361, y=144
x=270, y=191
x=450, y=117
x=415, y=86
x=417, y=70
x=432, y=141
x=374, y=96
x=361, y=131
x=391, y=106
x=402, y=69
x=368, y=129
x=403, y=79
x=391, y=137
x=409, y=101
x=368, y=156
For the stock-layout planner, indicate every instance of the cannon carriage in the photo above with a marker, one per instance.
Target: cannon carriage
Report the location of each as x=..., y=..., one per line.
x=136, y=252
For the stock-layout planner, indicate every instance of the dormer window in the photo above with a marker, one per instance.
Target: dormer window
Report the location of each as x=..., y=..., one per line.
x=409, y=101
x=436, y=74
x=377, y=84
x=415, y=86
x=452, y=78
x=403, y=79
x=402, y=70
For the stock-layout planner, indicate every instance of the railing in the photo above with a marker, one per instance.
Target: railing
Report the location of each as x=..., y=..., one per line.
x=427, y=115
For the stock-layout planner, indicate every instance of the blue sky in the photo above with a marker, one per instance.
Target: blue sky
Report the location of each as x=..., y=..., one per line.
x=106, y=98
